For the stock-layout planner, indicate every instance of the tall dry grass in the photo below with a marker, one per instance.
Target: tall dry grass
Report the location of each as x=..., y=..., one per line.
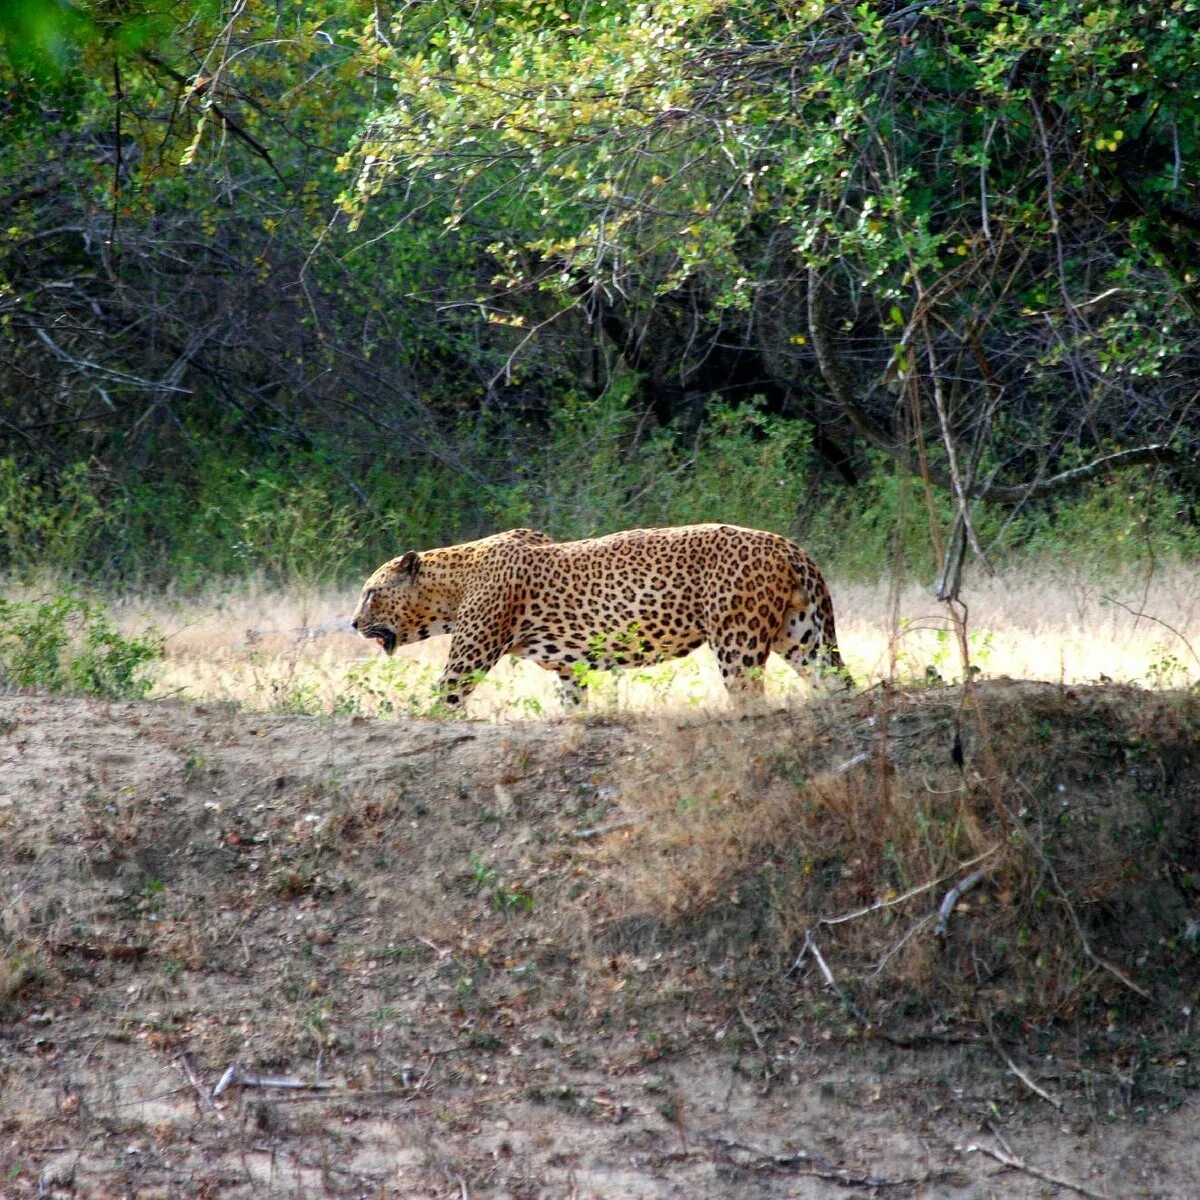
x=266, y=649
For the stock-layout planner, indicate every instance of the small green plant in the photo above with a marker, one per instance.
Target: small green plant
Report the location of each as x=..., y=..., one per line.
x=67, y=643
x=481, y=874
x=153, y=893
x=945, y=658
x=300, y=697
x=509, y=900
x=1166, y=670
x=384, y=687
x=504, y=898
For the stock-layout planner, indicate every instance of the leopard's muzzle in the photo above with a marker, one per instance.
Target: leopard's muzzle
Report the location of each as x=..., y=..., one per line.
x=385, y=635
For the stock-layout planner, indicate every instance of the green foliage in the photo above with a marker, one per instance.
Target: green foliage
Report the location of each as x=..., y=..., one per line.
x=1131, y=519
x=47, y=526
x=504, y=898
x=886, y=528
x=595, y=471
x=37, y=35
x=652, y=136
x=67, y=643
x=204, y=375
x=1000, y=197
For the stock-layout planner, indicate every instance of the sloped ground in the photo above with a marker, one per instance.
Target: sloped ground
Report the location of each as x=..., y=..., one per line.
x=484, y=951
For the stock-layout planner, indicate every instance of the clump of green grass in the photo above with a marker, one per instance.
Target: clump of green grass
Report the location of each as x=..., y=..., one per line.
x=66, y=642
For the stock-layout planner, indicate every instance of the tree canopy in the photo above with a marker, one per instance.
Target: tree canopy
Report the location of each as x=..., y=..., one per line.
x=963, y=234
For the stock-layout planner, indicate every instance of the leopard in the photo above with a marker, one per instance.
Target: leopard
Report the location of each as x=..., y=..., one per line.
x=630, y=598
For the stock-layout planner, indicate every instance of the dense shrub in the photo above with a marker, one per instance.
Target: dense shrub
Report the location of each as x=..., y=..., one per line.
x=67, y=643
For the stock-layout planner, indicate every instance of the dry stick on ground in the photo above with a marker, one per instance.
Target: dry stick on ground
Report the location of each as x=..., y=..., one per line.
x=185, y=1065
x=883, y=962
x=816, y=1166
x=1008, y=1159
x=892, y=901
x=1021, y=1075
x=600, y=830
x=442, y=745
x=762, y=1049
x=234, y=1074
x=952, y=897
x=810, y=944
x=810, y=947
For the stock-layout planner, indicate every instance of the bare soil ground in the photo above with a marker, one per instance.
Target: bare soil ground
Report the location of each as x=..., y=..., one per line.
x=426, y=924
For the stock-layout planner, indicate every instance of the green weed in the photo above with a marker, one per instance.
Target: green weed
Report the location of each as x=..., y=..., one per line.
x=66, y=643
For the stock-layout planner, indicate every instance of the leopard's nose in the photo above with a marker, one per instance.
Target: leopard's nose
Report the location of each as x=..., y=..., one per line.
x=354, y=623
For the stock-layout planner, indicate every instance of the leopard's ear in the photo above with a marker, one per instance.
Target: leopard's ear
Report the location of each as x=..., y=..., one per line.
x=408, y=565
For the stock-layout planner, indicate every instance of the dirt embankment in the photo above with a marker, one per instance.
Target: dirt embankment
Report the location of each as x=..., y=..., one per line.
x=644, y=958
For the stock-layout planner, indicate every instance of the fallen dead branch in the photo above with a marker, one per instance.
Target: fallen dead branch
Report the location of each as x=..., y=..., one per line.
x=751, y=1158
x=235, y=1075
x=892, y=901
x=1006, y=1158
x=1021, y=1075
x=952, y=897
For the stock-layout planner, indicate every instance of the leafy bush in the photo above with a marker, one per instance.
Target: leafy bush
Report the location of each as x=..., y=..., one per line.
x=595, y=472
x=322, y=516
x=66, y=643
x=43, y=527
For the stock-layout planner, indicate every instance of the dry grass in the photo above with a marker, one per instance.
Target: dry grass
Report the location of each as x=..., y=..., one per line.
x=264, y=649
x=846, y=825
x=791, y=819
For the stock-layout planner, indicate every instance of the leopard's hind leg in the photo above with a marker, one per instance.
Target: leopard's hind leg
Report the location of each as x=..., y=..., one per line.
x=807, y=639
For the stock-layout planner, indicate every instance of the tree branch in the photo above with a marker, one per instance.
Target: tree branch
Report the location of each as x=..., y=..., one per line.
x=837, y=379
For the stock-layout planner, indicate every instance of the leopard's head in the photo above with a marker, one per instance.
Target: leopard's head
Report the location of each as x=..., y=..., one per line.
x=400, y=604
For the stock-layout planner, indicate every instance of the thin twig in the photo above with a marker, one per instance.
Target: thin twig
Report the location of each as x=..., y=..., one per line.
x=762, y=1049
x=1138, y=614
x=454, y=741
x=185, y=1065
x=1019, y=1164
x=815, y=1165
x=850, y=763
x=599, y=830
x=810, y=947
x=917, y=891
x=84, y=364
x=1021, y=1075
x=883, y=962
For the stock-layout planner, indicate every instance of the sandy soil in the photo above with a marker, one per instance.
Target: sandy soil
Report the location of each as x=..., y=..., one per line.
x=403, y=920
